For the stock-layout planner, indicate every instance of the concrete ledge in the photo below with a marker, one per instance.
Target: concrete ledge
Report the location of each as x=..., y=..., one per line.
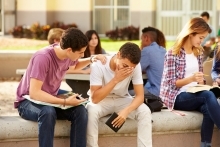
x=169, y=130
x=11, y=60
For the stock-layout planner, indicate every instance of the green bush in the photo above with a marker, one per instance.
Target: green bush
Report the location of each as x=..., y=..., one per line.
x=126, y=33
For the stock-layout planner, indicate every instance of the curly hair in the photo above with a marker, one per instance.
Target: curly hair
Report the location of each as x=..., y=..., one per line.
x=155, y=35
x=73, y=38
x=131, y=51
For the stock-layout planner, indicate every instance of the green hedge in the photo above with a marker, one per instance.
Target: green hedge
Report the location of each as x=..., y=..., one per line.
x=37, y=31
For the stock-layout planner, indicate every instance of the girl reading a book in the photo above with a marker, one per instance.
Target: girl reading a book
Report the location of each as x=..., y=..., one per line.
x=182, y=69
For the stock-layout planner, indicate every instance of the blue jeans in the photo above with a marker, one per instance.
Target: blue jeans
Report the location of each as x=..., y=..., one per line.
x=46, y=117
x=204, y=102
x=61, y=91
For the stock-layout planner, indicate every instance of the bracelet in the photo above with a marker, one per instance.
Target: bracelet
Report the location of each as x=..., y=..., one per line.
x=64, y=103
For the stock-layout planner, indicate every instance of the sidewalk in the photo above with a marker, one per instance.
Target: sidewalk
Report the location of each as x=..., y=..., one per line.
x=8, y=94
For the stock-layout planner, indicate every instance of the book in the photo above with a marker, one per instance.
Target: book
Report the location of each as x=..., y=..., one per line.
x=68, y=94
x=56, y=105
x=199, y=87
x=109, y=122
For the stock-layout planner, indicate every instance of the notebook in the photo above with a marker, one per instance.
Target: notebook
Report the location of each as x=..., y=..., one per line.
x=109, y=122
x=49, y=104
x=198, y=88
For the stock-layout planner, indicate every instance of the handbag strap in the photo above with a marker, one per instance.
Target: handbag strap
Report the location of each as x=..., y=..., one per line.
x=178, y=112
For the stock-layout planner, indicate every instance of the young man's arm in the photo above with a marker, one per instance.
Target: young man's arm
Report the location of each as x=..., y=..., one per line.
x=72, y=70
x=82, y=63
x=138, y=100
x=80, y=71
x=99, y=93
x=37, y=94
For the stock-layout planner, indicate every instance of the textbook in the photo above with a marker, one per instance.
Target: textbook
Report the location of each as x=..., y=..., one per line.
x=199, y=87
x=55, y=105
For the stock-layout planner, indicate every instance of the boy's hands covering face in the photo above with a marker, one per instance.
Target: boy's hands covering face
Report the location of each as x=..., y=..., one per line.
x=122, y=73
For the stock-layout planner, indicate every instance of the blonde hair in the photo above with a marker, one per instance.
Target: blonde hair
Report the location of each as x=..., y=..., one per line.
x=54, y=34
x=194, y=26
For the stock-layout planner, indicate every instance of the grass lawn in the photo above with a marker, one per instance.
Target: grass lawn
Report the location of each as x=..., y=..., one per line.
x=31, y=44
x=113, y=46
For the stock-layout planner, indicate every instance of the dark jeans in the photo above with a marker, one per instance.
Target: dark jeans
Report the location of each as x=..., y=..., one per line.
x=61, y=91
x=46, y=117
x=204, y=102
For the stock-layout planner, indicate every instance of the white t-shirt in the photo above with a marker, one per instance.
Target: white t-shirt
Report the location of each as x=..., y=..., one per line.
x=192, y=66
x=102, y=74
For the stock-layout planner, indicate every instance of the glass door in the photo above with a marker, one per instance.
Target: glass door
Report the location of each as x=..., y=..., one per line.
x=109, y=14
x=7, y=16
x=172, y=15
x=1, y=18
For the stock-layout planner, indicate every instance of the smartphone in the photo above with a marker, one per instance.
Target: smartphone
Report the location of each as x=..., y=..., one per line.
x=79, y=97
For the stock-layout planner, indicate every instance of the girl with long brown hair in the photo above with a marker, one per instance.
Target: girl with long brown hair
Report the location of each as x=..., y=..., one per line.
x=94, y=46
x=182, y=69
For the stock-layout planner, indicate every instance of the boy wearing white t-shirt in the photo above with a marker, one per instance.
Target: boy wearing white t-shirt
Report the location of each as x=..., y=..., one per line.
x=109, y=93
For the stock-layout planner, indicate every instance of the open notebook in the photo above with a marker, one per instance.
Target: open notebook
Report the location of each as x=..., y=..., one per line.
x=198, y=88
x=54, y=105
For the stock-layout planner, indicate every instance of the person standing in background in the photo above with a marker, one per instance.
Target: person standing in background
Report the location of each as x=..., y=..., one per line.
x=210, y=38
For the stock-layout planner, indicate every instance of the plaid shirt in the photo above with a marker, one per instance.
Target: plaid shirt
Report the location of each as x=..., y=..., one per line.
x=174, y=69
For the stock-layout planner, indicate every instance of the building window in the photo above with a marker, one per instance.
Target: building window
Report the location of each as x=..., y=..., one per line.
x=109, y=14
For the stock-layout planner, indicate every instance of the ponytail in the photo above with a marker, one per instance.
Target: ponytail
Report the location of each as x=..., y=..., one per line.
x=161, y=41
